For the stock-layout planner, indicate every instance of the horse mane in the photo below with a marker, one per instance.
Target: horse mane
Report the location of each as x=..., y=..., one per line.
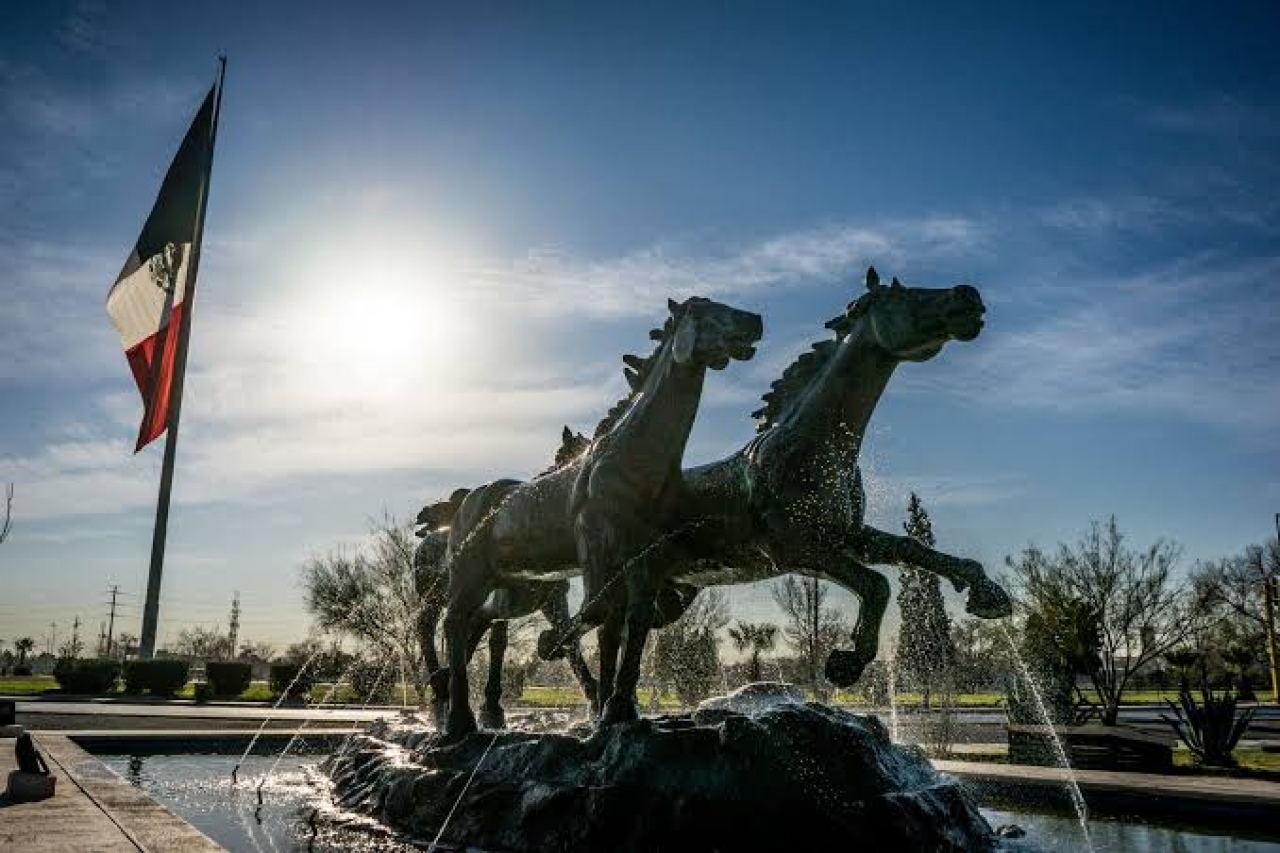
x=787, y=388
x=640, y=368
x=571, y=446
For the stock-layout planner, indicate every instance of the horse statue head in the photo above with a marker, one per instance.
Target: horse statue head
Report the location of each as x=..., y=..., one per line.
x=913, y=323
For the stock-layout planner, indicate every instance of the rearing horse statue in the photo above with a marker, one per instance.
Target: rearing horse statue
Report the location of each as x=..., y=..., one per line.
x=606, y=505
x=792, y=501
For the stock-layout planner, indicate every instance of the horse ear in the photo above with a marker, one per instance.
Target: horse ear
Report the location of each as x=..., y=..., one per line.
x=897, y=285
x=873, y=279
x=673, y=306
x=566, y=435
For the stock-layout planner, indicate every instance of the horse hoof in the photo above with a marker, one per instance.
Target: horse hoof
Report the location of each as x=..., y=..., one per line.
x=844, y=668
x=458, y=728
x=549, y=645
x=988, y=601
x=619, y=709
x=492, y=717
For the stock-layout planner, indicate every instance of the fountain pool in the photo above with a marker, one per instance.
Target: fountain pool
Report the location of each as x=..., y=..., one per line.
x=198, y=787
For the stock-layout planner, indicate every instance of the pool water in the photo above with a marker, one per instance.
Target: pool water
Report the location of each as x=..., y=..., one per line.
x=296, y=814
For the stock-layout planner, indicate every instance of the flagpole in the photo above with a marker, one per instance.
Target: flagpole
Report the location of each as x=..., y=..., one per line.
x=151, y=611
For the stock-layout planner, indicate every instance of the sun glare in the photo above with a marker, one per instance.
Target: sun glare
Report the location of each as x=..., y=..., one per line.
x=376, y=324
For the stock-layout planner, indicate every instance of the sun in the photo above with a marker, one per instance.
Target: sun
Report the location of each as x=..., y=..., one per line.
x=375, y=324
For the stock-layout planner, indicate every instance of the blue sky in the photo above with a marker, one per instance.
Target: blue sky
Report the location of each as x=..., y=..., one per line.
x=434, y=228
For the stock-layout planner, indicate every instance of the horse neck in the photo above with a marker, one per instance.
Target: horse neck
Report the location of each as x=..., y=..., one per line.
x=838, y=404
x=654, y=431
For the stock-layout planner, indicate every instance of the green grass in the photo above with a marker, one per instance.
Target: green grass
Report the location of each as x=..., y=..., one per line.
x=26, y=685
x=1158, y=697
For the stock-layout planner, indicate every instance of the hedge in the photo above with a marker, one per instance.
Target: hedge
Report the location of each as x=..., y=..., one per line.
x=227, y=678
x=88, y=676
x=159, y=677
x=282, y=674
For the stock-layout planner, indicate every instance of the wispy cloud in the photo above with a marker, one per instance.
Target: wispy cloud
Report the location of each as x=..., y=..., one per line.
x=628, y=284
x=1220, y=115
x=1195, y=338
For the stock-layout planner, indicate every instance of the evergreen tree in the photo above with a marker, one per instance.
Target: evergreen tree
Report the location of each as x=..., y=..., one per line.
x=925, y=652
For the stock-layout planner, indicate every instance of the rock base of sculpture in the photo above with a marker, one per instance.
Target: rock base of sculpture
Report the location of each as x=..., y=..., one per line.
x=30, y=787
x=782, y=775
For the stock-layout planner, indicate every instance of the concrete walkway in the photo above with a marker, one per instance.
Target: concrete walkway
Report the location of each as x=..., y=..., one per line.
x=92, y=810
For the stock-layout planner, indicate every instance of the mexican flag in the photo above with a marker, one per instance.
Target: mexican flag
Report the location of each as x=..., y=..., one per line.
x=150, y=302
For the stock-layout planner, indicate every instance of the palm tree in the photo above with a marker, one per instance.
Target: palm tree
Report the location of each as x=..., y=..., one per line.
x=756, y=637
x=23, y=646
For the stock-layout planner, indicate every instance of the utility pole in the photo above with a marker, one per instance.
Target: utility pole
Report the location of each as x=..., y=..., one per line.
x=1269, y=591
x=111, y=627
x=102, y=639
x=75, y=638
x=234, y=630
x=53, y=637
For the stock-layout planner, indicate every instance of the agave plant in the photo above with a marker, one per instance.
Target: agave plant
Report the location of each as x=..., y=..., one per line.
x=1211, y=729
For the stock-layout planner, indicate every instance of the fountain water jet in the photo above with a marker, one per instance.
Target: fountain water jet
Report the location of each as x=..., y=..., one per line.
x=1073, y=787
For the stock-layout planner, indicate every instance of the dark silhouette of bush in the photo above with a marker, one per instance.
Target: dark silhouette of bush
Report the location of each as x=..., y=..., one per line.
x=88, y=677
x=228, y=678
x=283, y=674
x=158, y=677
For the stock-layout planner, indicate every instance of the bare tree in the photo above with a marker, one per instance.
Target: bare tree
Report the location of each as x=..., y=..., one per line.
x=200, y=643
x=260, y=651
x=369, y=594
x=1234, y=584
x=1138, y=612
x=811, y=628
x=1235, y=588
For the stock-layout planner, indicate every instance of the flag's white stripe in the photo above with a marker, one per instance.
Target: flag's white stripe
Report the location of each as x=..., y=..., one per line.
x=136, y=304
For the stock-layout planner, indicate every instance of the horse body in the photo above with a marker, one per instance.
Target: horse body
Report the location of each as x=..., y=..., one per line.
x=792, y=500
x=597, y=510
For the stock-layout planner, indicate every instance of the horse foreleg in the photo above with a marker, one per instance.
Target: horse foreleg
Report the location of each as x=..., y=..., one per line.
x=609, y=639
x=986, y=598
x=843, y=668
x=465, y=602
x=621, y=705
x=491, y=715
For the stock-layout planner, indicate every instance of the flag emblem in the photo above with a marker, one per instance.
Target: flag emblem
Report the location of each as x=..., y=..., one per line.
x=148, y=303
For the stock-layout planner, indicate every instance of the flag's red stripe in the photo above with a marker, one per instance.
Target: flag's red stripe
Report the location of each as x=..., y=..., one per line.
x=142, y=362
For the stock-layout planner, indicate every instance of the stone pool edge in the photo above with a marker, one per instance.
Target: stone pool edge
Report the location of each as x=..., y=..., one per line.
x=144, y=821
x=1236, y=804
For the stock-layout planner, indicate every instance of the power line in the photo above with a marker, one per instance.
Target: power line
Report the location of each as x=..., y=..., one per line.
x=115, y=591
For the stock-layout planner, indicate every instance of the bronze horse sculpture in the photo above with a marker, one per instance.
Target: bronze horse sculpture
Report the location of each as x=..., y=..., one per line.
x=515, y=600
x=792, y=501
x=599, y=510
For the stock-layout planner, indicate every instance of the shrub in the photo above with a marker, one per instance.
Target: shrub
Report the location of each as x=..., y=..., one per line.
x=203, y=691
x=372, y=683
x=228, y=679
x=22, y=670
x=283, y=674
x=159, y=677
x=1211, y=729
x=89, y=676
